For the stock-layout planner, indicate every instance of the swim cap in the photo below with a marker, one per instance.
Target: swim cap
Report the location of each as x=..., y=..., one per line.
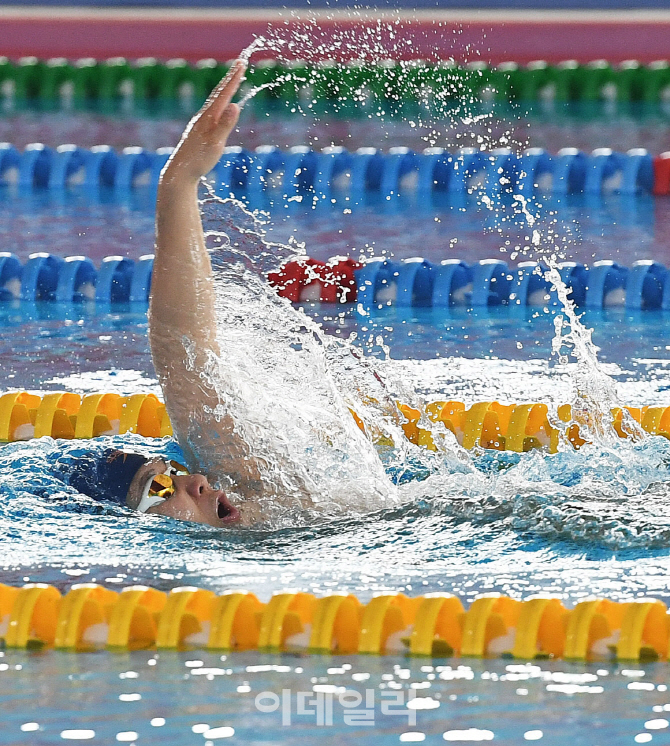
x=105, y=476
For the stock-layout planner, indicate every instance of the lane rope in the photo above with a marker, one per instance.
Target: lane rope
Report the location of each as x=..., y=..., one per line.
x=302, y=171
x=376, y=283
x=392, y=84
x=488, y=425
x=90, y=617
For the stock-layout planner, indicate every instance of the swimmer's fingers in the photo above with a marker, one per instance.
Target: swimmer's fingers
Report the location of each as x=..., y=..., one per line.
x=221, y=96
x=205, y=137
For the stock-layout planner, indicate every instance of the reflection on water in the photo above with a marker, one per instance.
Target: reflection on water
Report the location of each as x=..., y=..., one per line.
x=152, y=696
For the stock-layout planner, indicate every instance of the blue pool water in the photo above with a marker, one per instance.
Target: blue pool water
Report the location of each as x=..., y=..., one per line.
x=615, y=227
x=471, y=356
x=47, y=346
x=181, y=698
x=570, y=525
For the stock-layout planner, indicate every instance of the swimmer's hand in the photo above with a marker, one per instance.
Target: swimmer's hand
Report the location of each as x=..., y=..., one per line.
x=201, y=146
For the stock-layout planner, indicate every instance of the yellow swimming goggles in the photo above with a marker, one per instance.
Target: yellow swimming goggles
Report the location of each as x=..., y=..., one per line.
x=160, y=486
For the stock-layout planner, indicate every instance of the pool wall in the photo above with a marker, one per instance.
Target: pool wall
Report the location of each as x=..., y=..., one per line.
x=193, y=33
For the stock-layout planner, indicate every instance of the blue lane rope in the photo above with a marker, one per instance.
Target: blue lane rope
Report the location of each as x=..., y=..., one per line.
x=45, y=277
x=414, y=282
x=299, y=170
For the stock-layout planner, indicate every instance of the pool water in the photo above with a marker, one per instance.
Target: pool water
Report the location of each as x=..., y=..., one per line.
x=571, y=525
x=147, y=698
x=466, y=355
x=48, y=346
x=613, y=226
x=581, y=127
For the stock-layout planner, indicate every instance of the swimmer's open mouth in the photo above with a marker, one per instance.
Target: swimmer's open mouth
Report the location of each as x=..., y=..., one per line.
x=225, y=511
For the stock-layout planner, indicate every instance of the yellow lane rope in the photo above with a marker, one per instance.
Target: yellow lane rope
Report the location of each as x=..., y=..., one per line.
x=90, y=617
x=502, y=427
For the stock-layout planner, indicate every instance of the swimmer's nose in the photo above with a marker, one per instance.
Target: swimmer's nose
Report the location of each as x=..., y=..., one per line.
x=194, y=484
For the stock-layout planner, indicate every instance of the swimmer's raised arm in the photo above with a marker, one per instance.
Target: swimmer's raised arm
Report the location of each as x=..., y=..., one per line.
x=182, y=306
x=182, y=297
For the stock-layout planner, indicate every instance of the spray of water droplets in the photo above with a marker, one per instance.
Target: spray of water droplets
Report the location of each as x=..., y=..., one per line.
x=291, y=390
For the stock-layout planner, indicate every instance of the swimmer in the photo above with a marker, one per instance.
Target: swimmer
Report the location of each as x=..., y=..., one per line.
x=151, y=485
x=224, y=485
x=182, y=317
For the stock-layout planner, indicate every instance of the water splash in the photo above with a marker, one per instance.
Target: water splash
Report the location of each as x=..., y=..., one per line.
x=301, y=382
x=272, y=44
x=278, y=382
x=594, y=392
x=292, y=389
x=280, y=80
x=445, y=104
x=260, y=43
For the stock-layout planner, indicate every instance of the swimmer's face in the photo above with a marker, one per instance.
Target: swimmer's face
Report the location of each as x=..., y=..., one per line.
x=194, y=499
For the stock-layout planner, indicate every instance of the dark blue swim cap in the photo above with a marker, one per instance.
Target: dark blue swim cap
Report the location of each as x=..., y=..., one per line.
x=106, y=475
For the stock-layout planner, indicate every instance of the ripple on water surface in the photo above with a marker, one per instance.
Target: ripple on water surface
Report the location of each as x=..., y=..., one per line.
x=251, y=698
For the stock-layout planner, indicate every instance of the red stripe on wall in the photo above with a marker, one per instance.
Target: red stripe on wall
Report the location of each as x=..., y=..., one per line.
x=94, y=35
